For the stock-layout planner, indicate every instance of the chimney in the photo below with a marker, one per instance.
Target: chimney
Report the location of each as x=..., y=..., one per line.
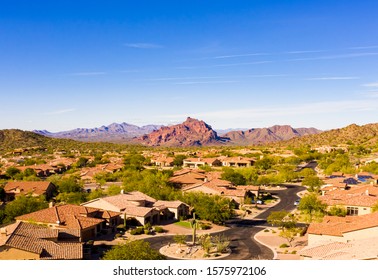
x=51, y=204
x=367, y=192
x=3, y=231
x=122, y=191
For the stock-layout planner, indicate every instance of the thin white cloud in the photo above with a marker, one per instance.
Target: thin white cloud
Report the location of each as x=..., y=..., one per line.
x=302, y=52
x=238, y=55
x=332, y=78
x=370, y=85
x=224, y=65
x=142, y=45
x=340, y=56
x=60, y=112
x=87, y=74
x=319, y=108
x=205, y=82
x=363, y=47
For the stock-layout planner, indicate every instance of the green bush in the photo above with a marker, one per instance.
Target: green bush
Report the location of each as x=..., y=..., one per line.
x=137, y=231
x=284, y=245
x=159, y=229
x=118, y=235
x=205, y=226
x=266, y=230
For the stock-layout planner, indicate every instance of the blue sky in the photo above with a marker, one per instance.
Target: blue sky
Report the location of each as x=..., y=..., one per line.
x=69, y=64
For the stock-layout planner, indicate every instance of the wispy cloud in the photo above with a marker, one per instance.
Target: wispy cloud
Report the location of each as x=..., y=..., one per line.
x=238, y=55
x=87, y=74
x=142, y=45
x=332, y=78
x=370, y=85
x=224, y=65
x=363, y=48
x=60, y=112
x=339, y=56
x=280, y=111
x=205, y=82
x=303, y=52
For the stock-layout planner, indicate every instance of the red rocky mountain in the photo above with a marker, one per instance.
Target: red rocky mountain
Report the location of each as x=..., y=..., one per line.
x=192, y=132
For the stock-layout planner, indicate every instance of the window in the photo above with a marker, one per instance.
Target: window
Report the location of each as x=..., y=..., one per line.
x=352, y=211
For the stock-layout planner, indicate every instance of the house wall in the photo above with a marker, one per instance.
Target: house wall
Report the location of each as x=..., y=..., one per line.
x=9, y=253
x=362, y=210
x=349, y=236
x=100, y=204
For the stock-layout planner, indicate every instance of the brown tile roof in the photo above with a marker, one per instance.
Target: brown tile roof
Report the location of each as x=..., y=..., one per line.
x=34, y=238
x=198, y=160
x=338, y=226
x=139, y=211
x=38, y=187
x=186, y=179
x=362, y=195
x=68, y=216
x=189, y=170
x=169, y=204
x=363, y=249
x=122, y=201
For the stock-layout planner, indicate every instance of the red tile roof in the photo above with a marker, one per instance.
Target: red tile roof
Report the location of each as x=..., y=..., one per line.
x=38, y=187
x=337, y=226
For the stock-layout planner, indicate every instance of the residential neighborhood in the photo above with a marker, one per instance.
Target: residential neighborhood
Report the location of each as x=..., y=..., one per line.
x=294, y=204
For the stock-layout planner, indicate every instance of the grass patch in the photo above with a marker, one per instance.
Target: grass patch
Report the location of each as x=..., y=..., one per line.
x=184, y=224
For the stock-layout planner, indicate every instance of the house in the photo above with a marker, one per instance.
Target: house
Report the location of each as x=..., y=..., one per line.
x=42, y=170
x=364, y=249
x=343, y=229
x=25, y=241
x=37, y=188
x=187, y=179
x=224, y=188
x=197, y=162
x=141, y=207
x=238, y=162
x=163, y=161
x=357, y=200
x=89, y=221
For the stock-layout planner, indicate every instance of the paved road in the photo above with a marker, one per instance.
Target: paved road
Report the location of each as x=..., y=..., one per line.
x=242, y=232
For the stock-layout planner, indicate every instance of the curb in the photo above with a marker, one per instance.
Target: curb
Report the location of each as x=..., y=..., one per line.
x=275, y=255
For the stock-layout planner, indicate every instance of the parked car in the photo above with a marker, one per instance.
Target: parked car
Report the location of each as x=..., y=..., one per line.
x=296, y=203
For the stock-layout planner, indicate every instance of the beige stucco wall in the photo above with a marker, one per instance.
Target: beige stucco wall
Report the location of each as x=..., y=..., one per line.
x=9, y=253
x=349, y=236
x=100, y=204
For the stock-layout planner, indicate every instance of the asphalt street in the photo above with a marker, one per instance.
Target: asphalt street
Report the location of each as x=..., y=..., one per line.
x=241, y=232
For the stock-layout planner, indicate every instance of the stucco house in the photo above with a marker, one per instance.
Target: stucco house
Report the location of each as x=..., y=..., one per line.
x=197, y=162
x=14, y=189
x=25, y=241
x=89, y=221
x=140, y=206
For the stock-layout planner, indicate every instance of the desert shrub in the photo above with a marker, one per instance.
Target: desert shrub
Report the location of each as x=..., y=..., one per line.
x=159, y=229
x=137, y=231
x=284, y=245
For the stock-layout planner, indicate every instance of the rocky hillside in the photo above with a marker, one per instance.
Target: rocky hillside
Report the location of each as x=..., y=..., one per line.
x=192, y=132
x=113, y=133
x=268, y=135
x=352, y=134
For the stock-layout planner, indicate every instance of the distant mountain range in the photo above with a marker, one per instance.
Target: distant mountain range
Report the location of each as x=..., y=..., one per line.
x=112, y=133
x=192, y=132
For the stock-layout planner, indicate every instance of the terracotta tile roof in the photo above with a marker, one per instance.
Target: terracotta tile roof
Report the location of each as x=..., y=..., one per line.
x=338, y=226
x=188, y=170
x=363, y=249
x=33, y=238
x=139, y=211
x=122, y=201
x=169, y=204
x=364, y=195
x=199, y=160
x=187, y=179
x=38, y=187
x=67, y=216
